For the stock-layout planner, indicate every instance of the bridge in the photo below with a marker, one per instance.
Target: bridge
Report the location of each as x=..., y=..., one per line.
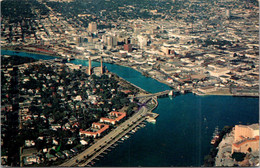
x=158, y=94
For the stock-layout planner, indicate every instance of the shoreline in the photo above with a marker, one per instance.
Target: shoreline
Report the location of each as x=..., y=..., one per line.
x=29, y=52
x=136, y=118
x=153, y=78
x=116, y=63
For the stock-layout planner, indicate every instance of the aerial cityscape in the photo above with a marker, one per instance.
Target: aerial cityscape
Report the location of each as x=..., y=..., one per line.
x=129, y=83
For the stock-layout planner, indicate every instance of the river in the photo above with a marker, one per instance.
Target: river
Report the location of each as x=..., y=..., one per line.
x=182, y=133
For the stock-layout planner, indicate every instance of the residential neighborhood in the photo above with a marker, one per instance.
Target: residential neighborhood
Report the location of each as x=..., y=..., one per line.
x=61, y=109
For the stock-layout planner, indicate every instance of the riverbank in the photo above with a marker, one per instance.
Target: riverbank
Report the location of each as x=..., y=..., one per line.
x=156, y=144
x=219, y=91
x=105, y=142
x=14, y=49
x=121, y=82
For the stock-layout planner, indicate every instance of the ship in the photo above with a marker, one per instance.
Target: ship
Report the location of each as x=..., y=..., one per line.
x=170, y=93
x=215, y=136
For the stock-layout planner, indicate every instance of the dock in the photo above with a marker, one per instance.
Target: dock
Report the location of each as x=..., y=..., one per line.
x=151, y=114
x=151, y=117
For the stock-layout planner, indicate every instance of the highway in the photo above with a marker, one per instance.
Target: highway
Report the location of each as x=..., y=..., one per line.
x=107, y=140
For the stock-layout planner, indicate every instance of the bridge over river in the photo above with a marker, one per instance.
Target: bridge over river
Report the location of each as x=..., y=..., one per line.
x=158, y=94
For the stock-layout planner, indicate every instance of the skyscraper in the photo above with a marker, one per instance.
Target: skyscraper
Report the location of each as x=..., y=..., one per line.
x=92, y=27
x=111, y=41
x=228, y=13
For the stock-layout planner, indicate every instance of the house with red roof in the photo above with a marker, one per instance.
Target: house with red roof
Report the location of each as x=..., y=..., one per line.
x=96, y=130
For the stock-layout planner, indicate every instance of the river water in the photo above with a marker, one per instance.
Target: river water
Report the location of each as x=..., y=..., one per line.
x=183, y=131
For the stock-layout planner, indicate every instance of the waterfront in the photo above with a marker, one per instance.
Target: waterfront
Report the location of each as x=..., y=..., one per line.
x=182, y=133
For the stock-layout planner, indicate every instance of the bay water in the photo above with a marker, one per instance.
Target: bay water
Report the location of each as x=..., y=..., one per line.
x=182, y=133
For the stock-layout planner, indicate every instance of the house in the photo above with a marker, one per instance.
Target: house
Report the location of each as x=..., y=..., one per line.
x=96, y=130
x=55, y=126
x=83, y=142
x=31, y=159
x=67, y=153
x=51, y=157
x=29, y=143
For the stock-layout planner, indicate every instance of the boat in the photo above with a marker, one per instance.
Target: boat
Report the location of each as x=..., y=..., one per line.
x=151, y=120
x=142, y=125
x=215, y=136
x=170, y=93
x=126, y=136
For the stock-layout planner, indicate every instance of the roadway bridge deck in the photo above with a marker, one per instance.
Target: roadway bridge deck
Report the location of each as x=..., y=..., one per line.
x=158, y=94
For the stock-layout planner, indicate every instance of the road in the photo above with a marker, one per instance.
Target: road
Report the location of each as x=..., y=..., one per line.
x=106, y=140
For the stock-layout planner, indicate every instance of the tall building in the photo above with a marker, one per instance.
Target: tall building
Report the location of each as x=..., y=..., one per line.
x=142, y=41
x=228, y=13
x=111, y=41
x=92, y=27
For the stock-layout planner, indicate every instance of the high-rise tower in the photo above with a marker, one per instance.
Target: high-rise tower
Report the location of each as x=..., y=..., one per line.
x=92, y=27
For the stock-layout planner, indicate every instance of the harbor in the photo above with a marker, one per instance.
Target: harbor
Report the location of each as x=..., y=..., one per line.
x=119, y=138
x=197, y=116
x=119, y=134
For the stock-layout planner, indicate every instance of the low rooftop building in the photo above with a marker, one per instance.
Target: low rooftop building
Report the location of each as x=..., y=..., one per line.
x=114, y=117
x=96, y=130
x=246, y=138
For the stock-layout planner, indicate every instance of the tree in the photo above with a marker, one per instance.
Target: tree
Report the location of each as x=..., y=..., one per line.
x=238, y=156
